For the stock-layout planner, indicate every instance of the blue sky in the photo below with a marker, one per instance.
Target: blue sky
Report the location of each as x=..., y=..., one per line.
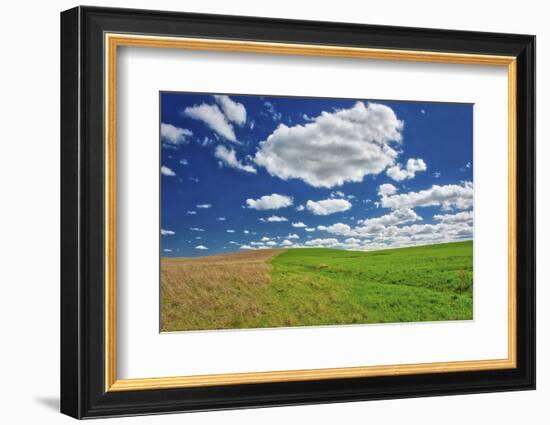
x=253, y=172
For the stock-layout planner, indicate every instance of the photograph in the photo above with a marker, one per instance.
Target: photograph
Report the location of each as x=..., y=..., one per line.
x=288, y=211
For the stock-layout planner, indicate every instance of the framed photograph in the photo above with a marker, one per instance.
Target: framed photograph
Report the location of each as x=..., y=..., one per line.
x=261, y=212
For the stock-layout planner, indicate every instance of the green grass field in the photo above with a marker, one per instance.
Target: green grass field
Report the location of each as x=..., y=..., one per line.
x=308, y=287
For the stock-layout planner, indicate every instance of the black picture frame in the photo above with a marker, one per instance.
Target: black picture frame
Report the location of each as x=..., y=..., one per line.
x=82, y=219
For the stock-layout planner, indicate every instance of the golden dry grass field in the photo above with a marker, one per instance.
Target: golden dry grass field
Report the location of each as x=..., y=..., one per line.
x=219, y=292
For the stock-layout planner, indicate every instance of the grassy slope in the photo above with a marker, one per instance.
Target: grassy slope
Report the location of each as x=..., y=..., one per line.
x=322, y=287
x=325, y=286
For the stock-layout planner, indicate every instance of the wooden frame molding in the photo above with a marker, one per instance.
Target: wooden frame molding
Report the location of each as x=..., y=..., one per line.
x=114, y=40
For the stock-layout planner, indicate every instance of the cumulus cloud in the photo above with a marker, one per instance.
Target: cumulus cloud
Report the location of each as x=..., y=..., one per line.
x=328, y=206
x=448, y=197
x=298, y=225
x=271, y=243
x=274, y=219
x=221, y=219
x=286, y=242
x=265, y=239
x=174, y=135
x=214, y=118
x=386, y=189
x=196, y=229
x=230, y=231
x=270, y=202
x=228, y=157
x=234, y=111
x=409, y=171
x=165, y=232
x=204, y=206
x=191, y=212
x=461, y=217
x=292, y=236
x=372, y=226
x=334, y=148
x=310, y=229
x=393, y=218
x=201, y=247
x=322, y=242
x=165, y=171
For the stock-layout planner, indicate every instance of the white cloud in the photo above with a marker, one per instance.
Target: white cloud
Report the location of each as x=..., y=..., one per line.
x=246, y=247
x=386, y=189
x=191, y=212
x=300, y=208
x=183, y=161
x=448, y=197
x=265, y=239
x=271, y=243
x=298, y=225
x=274, y=219
x=174, y=135
x=204, y=206
x=286, y=242
x=461, y=217
x=221, y=219
x=413, y=166
x=229, y=158
x=322, y=242
x=167, y=250
x=340, y=229
x=246, y=232
x=201, y=247
x=196, y=229
x=213, y=118
x=404, y=215
x=336, y=147
x=234, y=111
x=270, y=202
x=165, y=171
x=230, y=231
x=310, y=229
x=165, y=232
x=328, y=206
x=292, y=236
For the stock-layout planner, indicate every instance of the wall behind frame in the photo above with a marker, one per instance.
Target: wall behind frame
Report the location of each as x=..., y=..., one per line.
x=29, y=217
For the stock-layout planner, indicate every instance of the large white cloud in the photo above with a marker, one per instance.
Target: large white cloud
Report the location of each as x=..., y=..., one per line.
x=234, y=111
x=228, y=157
x=174, y=135
x=413, y=166
x=336, y=147
x=448, y=197
x=270, y=202
x=214, y=118
x=328, y=206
